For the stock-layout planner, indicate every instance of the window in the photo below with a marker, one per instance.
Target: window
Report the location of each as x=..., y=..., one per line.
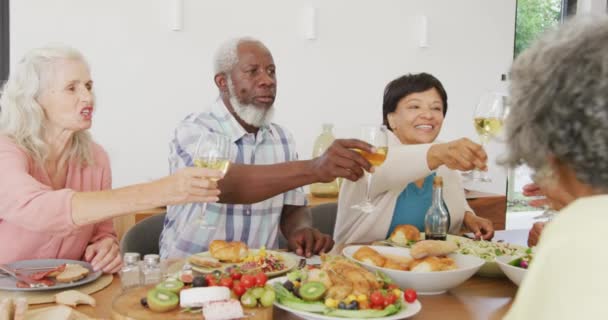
x=532, y=19
x=4, y=40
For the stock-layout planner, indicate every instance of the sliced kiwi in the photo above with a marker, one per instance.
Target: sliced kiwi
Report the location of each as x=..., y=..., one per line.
x=312, y=291
x=162, y=300
x=170, y=285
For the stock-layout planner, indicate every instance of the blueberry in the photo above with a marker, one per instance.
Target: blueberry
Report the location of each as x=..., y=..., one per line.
x=288, y=285
x=144, y=302
x=199, y=282
x=296, y=292
x=353, y=305
x=342, y=305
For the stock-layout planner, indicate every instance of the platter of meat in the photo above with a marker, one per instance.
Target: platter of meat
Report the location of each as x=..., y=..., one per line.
x=47, y=274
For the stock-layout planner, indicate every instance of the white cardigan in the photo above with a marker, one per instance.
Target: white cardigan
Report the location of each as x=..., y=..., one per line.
x=404, y=164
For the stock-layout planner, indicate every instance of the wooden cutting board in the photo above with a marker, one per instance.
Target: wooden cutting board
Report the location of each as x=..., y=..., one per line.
x=127, y=306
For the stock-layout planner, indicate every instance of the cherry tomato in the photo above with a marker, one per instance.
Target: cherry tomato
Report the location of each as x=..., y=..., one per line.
x=410, y=295
x=212, y=282
x=226, y=282
x=260, y=279
x=248, y=281
x=235, y=275
x=238, y=289
x=390, y=299
x=376, y=299
x=210, y=277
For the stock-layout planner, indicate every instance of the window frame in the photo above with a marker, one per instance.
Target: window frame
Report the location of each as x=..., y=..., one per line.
x=4, y=40
x=568, y=9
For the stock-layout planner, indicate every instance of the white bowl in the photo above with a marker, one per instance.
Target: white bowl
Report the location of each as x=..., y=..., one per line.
x=515, y=274
x=424, y=282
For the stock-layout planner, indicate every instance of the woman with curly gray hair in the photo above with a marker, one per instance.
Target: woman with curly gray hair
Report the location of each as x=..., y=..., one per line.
x=558, y=126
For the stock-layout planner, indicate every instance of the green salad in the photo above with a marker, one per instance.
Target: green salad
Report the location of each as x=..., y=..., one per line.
x=488, y=250
x=523, y=261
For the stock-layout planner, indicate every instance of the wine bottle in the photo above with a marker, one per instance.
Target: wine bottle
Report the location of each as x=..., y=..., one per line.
x=323, y=141
x=437, y=219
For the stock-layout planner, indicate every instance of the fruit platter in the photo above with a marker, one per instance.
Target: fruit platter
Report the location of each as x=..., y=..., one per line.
x=339, y=289
x=212, y=296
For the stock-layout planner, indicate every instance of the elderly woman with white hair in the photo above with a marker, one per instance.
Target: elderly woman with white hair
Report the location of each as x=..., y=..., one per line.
x=55, y=197
x=558, y=126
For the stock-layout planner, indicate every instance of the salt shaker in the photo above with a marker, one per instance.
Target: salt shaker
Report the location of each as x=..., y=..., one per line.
x=151, y=273
x=130, y=274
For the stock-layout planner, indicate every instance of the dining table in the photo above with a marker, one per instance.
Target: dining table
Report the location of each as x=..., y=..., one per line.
x=477, y=298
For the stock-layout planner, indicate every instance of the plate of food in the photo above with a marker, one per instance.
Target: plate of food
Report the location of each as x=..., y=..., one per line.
x=429, y=267
x=223, y=255
x=48, y=274
x=341, y=289
x=407, y=235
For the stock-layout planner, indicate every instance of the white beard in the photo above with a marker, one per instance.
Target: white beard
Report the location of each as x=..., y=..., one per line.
x=249, y=113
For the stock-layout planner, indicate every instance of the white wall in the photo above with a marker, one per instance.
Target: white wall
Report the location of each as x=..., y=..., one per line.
x=591, y=7
x=148, y=77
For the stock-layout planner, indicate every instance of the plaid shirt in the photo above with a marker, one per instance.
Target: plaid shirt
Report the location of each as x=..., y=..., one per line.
x=255, y=224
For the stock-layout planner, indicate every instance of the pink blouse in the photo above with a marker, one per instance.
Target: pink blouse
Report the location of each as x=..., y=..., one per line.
x=35, y=220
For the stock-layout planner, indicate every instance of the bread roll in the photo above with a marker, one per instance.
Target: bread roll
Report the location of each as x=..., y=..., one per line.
x=404, y=233
x=6, y=309
x=396, y=265
x=73, y=298
x=432, y=248
x=430, y=264
x=72, y=272
x=228, y=251
x=205, y=262
x=20, y=308
x=369, y=255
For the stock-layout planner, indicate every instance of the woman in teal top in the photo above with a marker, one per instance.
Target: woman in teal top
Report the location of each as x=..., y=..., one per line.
x=413, y=109
x=418, y=120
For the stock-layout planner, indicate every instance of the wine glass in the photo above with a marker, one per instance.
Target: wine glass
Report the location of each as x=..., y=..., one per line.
x=212, y=152
x=377, y=137
x=488, y=119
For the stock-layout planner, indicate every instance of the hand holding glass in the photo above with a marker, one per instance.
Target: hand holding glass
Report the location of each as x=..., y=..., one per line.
x=212, y=152
x=377, y=137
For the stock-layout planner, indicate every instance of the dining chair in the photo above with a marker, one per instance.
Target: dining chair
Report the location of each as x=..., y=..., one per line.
x=323, y=219
x=143, y=236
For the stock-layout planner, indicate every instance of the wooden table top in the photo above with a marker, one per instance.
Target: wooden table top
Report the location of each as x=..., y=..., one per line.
x=477, y=298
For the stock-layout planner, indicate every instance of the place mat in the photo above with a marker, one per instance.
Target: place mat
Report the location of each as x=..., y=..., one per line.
x=49, y=296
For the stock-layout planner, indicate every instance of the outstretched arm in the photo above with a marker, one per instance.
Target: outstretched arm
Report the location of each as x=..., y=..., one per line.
x=254, y=183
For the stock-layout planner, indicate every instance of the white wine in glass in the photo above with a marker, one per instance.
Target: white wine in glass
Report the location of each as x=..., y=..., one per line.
x=212, y=152
x=216, y=164
x=377, y=137
x=488, y=127
x=377, y=158
x=488, y=119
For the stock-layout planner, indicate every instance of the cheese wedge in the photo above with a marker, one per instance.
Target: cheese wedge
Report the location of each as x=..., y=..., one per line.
x=197, y=297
